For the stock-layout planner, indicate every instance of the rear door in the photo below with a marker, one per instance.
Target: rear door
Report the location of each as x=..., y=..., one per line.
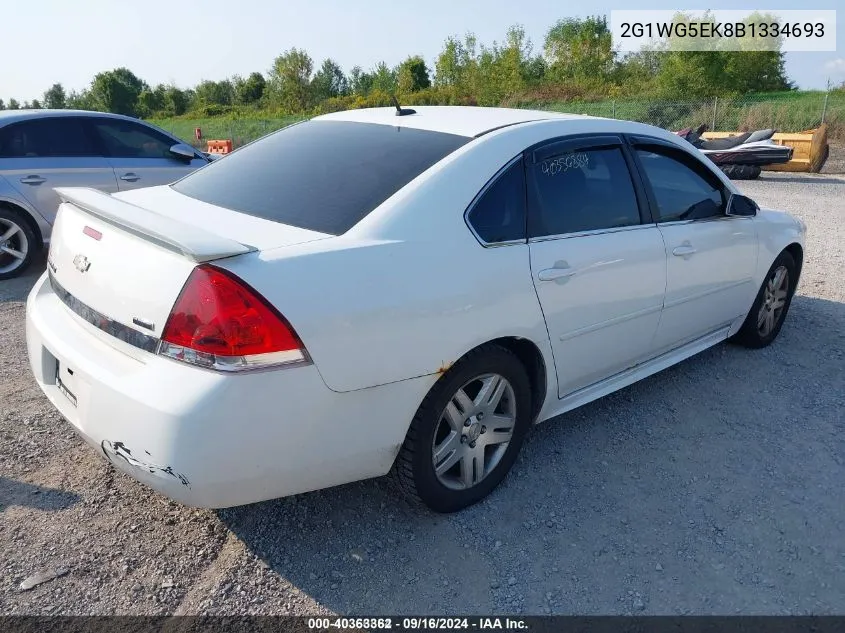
x=598, y=263
x=139, y=154
x=39, y=154
x=711, y=257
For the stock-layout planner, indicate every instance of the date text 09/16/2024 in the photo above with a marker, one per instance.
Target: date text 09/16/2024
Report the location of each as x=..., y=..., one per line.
x=416, y=624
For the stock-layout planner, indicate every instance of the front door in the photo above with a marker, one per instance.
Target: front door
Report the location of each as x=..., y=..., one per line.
x=140, y=155
x=711, y=257
x=599, y=265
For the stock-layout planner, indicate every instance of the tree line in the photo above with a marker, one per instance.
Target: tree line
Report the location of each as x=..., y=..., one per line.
x=576, y=62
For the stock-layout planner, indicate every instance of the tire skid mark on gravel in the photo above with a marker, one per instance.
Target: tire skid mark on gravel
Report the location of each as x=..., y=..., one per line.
x=229, y=555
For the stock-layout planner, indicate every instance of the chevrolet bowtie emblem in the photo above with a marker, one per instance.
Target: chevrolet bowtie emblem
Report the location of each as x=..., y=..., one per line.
x=81, y=262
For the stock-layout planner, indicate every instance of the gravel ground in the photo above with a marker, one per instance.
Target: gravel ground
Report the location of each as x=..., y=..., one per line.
x=714, y=487
x=836, y=161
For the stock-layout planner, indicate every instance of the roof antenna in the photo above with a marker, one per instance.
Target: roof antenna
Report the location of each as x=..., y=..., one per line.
x=400, y=111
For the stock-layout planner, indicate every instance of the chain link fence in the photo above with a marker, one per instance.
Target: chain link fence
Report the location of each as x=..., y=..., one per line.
x=239, y=131
x=790, y=112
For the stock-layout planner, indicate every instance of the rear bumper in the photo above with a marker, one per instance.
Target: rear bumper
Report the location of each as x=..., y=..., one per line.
x=207, y=439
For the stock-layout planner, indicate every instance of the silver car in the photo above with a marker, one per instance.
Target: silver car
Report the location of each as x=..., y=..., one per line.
x=43, y=149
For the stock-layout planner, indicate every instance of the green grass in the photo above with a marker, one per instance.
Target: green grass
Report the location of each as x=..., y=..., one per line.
x=241, y=130
x=791, y=111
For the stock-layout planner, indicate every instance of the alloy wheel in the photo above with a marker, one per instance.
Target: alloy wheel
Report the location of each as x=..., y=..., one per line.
x=473, y=431
x=14, y=246
x=774, y=301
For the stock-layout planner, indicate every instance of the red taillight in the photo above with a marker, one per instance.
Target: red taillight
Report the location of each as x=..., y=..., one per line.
x=220, y=322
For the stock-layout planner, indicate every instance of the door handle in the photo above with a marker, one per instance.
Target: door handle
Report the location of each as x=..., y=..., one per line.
x=553, y=274
x=684, y=250
x=130, y=177
x=33, y=180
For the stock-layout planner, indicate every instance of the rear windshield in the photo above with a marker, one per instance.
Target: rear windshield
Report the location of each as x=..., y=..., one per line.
x=320, y=175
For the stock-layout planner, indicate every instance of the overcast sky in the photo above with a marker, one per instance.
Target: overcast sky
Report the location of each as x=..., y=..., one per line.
x=185, y=41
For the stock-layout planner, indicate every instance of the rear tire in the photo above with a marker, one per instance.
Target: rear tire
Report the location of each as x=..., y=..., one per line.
x=461, y=444
x=767, y=314
x=18, y=244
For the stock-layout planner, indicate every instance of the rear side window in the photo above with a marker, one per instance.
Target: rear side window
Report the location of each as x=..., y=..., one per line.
x=498, y=215
x=583, y=190
x=46, y=137
x=319, y=175
x=681, y=191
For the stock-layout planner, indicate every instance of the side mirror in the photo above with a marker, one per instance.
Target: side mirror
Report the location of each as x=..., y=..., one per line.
x=742, y=206
x=183, y=151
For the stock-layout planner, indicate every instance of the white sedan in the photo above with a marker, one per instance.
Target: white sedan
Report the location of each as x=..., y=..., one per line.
x=375, y=291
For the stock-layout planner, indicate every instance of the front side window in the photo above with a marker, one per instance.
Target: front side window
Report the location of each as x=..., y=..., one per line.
x=323, y=176
x=46, y=137
x=125, y=139
x=682, y=191
x=581, y=190
x=499, y=214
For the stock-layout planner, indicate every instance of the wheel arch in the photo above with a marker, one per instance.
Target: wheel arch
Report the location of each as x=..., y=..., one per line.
x=531, y=357
x=797, y=252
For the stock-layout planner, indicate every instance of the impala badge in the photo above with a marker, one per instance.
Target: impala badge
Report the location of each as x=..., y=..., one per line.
x=144, y=323
x=81, y=262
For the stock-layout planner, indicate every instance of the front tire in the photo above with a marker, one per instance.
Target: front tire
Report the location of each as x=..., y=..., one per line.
x=467, y=432
x=18, y=244
x=765, y=319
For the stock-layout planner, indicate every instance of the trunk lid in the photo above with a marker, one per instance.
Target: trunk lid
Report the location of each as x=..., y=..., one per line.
x=127, y=263
x=247, y=229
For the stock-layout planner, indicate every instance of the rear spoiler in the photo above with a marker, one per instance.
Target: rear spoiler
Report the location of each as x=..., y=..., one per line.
x=191, y=241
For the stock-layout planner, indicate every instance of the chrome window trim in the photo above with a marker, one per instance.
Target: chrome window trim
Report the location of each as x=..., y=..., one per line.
x=721, y=218
x=566, y=236
x=498, y=244
x=480, y=195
